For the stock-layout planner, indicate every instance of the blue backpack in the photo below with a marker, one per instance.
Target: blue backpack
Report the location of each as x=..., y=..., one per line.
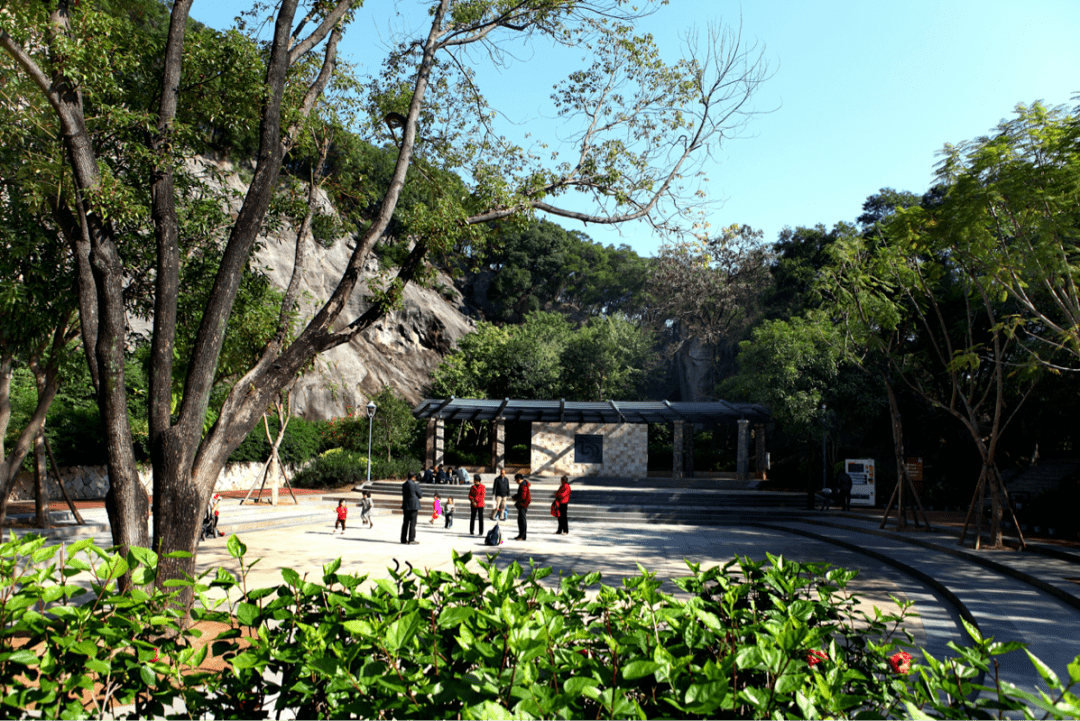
x=494, y=537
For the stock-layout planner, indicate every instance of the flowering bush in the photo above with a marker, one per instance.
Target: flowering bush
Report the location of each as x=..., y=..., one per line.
x=749, y=639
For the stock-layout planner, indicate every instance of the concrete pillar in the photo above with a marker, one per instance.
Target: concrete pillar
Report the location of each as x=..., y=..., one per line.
x=498, y=444
x=759, y=451
x=688, y=462
x=743, y=463
x=429, y=444
x=440, y=434
x=677, y=446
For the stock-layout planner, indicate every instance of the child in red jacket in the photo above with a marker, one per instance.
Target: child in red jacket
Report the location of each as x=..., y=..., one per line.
x=342, y=513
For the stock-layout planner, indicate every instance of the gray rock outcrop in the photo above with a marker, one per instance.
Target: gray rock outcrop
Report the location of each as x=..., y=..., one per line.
x=401, y=350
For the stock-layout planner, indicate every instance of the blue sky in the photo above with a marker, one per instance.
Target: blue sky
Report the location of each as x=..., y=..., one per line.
x=863, y=93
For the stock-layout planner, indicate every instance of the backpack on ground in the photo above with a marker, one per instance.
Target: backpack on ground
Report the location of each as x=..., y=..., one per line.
x=494, y=537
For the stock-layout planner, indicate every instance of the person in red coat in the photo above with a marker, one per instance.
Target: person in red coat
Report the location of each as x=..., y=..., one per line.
x=562, y=498
x=522, y=499
x=476, y=504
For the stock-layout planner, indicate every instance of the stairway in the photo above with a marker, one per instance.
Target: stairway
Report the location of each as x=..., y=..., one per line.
x=630, y=500
x=1044, y=477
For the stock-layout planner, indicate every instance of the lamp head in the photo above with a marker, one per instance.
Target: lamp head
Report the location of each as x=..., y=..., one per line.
x=371, y=409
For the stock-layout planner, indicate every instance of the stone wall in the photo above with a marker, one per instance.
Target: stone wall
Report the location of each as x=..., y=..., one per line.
x=625, y=449
x=92, y=482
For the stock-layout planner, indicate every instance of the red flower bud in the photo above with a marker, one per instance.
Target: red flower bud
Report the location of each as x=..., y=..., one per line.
x=814, y=657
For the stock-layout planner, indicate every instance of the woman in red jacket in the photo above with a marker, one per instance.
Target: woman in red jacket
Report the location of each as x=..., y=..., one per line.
x=562, y=497
x=476, y=504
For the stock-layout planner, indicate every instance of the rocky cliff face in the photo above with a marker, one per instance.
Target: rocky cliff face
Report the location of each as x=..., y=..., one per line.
x=399, y=351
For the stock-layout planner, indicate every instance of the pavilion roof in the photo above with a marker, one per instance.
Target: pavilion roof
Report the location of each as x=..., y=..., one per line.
x=560, y=411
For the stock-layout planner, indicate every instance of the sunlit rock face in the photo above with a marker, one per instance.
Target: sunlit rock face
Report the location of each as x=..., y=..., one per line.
x=400, y=351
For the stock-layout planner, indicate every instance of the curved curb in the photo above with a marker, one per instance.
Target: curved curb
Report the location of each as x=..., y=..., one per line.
x=1063, y=596
x=961, y=609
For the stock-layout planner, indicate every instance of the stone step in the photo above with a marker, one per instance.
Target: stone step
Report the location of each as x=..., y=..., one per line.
x=383, y=495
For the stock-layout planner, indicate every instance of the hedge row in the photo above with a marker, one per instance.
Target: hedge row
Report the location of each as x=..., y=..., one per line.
x=766, y=639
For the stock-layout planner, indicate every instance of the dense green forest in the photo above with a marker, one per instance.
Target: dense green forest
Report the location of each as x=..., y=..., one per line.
x=948, y=319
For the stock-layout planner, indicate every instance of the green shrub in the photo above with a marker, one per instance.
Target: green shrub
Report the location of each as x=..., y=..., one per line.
x=769, y=639
x=395, y=468
x=303, y=441
x=332, y=469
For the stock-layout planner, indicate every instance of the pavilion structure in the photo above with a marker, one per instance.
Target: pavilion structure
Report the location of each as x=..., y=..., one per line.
x=606, y=438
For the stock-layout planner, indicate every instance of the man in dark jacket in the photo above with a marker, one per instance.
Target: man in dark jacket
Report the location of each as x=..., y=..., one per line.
x=501, y=489
x=843, y=485
x=428, y=475
x=522, y=499
x=410, y=508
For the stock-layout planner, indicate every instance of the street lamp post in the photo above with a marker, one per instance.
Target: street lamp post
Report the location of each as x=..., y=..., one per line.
x=824, y=448
x=371, y=417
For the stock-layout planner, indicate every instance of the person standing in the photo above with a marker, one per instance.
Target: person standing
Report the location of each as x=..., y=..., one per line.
x=448, y=512
x=476, y=504
x=522, y=499
x=215, y=507
x=365, y=510
x=843, y=485
x=562, y=498
x=410, y=508
x=342, y=514
x=501, y=488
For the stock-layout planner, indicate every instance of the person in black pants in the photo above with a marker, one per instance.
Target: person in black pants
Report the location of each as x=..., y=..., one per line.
x=843, y=484
x=501, y=488
x=522, y=499
x=476, y=504
x=410, y=508
x=562, y=498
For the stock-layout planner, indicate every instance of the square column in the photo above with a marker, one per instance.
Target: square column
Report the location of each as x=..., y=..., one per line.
x=440, y=434
x=743, y=460
x=433, y=445
x=678, y=442
x=498, y=444
x=759, y=451
x=688, y=451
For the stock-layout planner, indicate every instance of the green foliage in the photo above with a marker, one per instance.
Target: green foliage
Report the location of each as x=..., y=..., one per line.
x=1007, y=204
x=394, y=468
x=542, y=266
x=303, y=441
x=789, y=366
x=750, y=639
x=332, y=469
x=546, y=357
x=393, y=431
x=608, y=358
